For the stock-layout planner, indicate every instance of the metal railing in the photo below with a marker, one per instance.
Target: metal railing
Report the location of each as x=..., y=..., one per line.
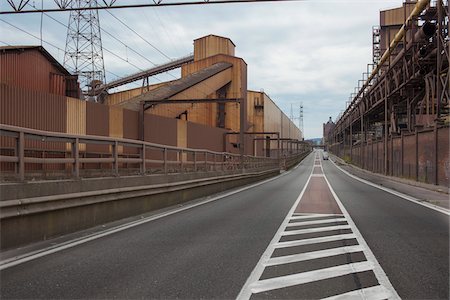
x=25, y=151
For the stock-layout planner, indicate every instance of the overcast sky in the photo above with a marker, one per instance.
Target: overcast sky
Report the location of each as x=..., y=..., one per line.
x=310, y=51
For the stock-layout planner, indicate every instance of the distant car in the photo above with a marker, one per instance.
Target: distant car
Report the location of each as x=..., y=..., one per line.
x=325, y=155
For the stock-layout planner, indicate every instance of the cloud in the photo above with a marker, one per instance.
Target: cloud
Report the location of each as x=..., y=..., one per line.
x=310, y=51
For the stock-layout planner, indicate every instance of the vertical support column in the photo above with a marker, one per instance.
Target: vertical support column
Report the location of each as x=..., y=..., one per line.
x=385, y=146
x=141, y=124
x=242, y=128
x=440, y=20
x=76, y=158
x=21, y=155
x=402, y=162
x=351, y=142
x=278, y=146
x=165, y=160
x=195, y=161
x=417, y=154
x=181, y=161
x=363, y=139
x=268, y=141
x=436, y=160
x=116, y=158
x=143, y=167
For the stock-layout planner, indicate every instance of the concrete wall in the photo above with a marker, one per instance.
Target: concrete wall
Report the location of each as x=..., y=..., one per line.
x=70, y=206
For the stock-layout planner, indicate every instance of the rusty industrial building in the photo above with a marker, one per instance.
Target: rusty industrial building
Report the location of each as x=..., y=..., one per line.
x=209, y=108
x=397, y=120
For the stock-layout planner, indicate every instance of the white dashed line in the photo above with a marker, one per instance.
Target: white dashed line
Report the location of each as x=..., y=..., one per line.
x=313, y=230
x=311, y=276
x=325, y=239
x=371, y=293
x=316, y=222
x=313, y=255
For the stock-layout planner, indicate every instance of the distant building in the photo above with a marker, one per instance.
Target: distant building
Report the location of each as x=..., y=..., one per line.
x=327, y=128
x=34, y=68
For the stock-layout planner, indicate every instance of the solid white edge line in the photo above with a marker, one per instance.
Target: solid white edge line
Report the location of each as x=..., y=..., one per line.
x=377, y=292
x=311, y=276
x=378, y=271
x=315, y=222
x=314, y=230
x=396, y=193
x=324, y=239
x=246, y=292
x=287, y=259
x=17, y=260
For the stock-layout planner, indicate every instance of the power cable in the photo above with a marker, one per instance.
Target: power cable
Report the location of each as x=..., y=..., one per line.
x=145, y=40
x=48, y=43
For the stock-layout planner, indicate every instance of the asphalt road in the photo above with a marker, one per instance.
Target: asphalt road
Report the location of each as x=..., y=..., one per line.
x=204, y=252
x=209, y=251
x=410, y=242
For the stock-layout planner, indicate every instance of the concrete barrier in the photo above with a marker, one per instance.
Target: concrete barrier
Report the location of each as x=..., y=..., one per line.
x=45, y=210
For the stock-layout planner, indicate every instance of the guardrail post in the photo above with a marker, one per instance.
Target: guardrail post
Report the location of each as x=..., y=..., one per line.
x=195, y=161
x=21, y=155
x=165, y=160
x=181, y=161
x=143, y=169
x=116, y=158
x=215, y=161
x=76, y=158
x=206, y=161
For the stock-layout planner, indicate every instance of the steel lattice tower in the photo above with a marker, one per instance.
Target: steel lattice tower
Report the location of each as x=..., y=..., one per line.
x=84, y=54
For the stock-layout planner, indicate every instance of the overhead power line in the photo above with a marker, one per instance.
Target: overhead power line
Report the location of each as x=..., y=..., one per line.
x=48, y=43
x=20, y=10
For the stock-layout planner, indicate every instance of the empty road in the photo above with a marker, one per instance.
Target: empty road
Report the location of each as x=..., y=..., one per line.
x=313, y=232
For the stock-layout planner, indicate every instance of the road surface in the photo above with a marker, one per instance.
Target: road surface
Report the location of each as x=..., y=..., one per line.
x=313, y=232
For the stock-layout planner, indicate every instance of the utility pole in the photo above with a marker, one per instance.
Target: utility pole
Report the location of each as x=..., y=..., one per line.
x=84, y=54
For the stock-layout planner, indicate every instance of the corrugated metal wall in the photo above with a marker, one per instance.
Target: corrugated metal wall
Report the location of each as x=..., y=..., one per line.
x=31, y=70
x=32, y=109
x=211, y=45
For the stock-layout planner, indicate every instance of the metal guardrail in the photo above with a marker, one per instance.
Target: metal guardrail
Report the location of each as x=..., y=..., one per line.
x=149, y=157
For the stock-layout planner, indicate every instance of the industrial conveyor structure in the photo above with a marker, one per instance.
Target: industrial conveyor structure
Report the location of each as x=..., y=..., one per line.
x=406, y=91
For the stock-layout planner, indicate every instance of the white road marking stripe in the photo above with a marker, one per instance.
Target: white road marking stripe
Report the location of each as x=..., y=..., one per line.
x=311, y=276
x=313, y=255
x=377, y=292
x=313, y=230
x=309, y=216
x=379, y=272
x=318, y=240
x=246, y=292
x=316, y=222
x=17, y=260
x=398, y=194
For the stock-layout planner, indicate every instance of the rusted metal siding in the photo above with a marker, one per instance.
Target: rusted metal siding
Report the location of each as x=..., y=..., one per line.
x=212, y=45
x=31, y=70
x=36, y=110
x=130, y=124
x=205, y=137
x=76, y=119
x=97, y=123
x=160, y=130
x=443, y=156
x=32, y=109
